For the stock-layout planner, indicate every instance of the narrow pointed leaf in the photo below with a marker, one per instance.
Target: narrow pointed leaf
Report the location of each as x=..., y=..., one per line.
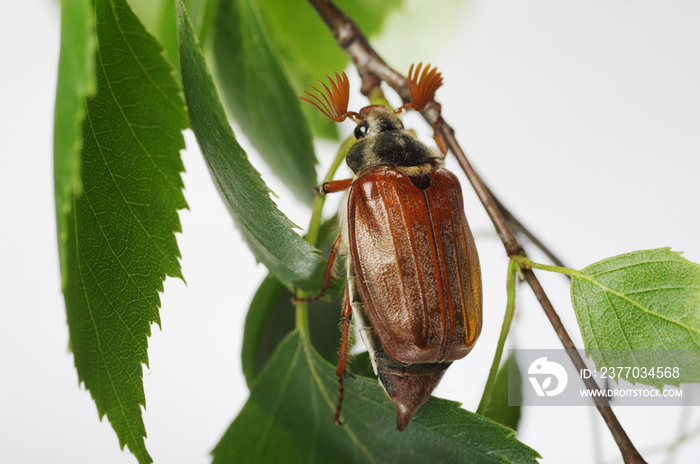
x=122, y=229
x=76, y=82
x=289, y=418
x=265, y=229
x=260, y=98
x=641, y=309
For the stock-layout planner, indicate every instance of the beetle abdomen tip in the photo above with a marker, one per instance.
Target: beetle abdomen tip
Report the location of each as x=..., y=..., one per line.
x=408, y=392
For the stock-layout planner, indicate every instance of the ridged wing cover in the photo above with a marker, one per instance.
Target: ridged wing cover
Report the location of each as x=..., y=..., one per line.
x=416, y=264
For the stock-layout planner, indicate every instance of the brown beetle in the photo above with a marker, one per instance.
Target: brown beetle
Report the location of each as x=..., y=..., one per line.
x=413, y=275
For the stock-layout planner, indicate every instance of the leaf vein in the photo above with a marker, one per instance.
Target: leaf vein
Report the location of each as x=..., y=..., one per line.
x=279, y=401
x=605, y=288
x=121, y=107
x=96, y=331
x=89, y=116
x=319, y=384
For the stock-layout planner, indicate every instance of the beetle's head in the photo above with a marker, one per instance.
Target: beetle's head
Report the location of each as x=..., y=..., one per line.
x=377, y=119
x=374, y=119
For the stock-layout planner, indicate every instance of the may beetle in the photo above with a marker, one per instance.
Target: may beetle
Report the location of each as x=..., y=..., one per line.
x=413, y=275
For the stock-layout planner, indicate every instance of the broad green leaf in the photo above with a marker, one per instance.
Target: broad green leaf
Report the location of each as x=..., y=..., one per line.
x=307, y=48
x=259, y=97
x=271, y=317
x=641, y=309
x=257, y=330
x=498, y=408
x=265, y=229
x=122, y=229
x=289, y=418
x=76, y=82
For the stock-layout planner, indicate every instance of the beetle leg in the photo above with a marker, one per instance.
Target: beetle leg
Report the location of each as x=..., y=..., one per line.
x=334, y=186
x=326, y=277
x=343, y=355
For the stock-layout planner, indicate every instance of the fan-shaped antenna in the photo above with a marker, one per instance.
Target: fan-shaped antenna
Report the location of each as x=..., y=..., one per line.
x=335, y=99
x=422, y=86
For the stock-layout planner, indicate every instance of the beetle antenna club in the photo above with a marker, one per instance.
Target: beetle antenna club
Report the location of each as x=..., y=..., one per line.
x=413, y=281
x=422, y=86
x=335, y=99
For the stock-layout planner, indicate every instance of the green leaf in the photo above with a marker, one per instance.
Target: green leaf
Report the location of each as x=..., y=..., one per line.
x=76, y=82
x=259, y=97
x=360, y=364
x=201, y=13
x=641, y=309
x=289, y=418
x=508, y=378
x=307, y=48
x=304, y=44
x=271, y=317
x=265, y=325
x=167, y=34
x=158, y=17
x=265, y=229
x=122, y=229
x=148, y=11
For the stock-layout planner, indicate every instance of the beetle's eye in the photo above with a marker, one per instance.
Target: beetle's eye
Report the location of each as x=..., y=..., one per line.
x=361, y=130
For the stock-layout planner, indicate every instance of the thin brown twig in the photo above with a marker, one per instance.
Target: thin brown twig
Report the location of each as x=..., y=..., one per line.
x=373, y=69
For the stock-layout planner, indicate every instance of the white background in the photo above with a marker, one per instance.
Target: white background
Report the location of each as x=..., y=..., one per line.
x=584, y=118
